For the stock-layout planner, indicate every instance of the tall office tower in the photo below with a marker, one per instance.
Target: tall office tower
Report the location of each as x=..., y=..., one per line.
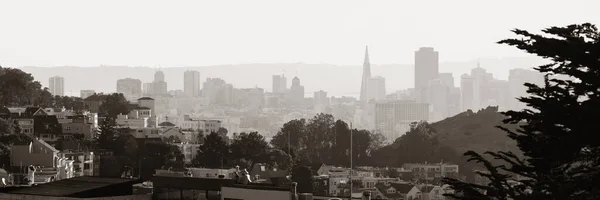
x=86, y=93
x=516, y=79
x=159, y=76
x=426, y=66
x=447, y=79
x=283, y=82
x=191, y=83
x=438, y=98
x=129, y=87
x=366, y=76
x=159, y=86
x=297, y=92
x=320, y=98
x=393, y=118
x=467, y=92
x=276, y=83
x=376, y=88
x=57, y=86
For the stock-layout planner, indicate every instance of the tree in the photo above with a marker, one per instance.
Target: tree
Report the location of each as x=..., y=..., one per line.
x=561, y=152
x=249, y=148
x=108, y=134
x=74, y=103
x=113, y=105
x=19, y=88
x=6, y=127
x=290, y=133
x=303, y=176
x=214, y=153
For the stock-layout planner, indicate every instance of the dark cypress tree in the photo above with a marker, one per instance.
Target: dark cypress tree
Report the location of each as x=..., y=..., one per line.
x=557, y=134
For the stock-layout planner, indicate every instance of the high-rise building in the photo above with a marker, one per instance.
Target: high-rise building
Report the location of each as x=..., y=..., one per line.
x=279, y=84
x=426, y=66
x=57, y=86
x=191, y=83
x=86, y=93
x=393, y=118
x=376, y=88
x=366, y=76
x=467, y=92
x=297, y=92
x=438, y=98
x=516, y=89
x=159, y=76
x=447, y=79
x=320, y=98
x=129, y=87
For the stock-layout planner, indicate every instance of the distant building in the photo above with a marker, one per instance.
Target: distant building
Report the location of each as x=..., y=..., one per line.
x=467, y=88
x=426, y=66
x=129, y=87
x=376, y=88
x=86, y=93
x=57, y=86
x=191, y=83
x=296, y=92
x=93, y=103
x=158, y=87
x=366, y=77
x=393, y=118
x=279, y=84
x=205, y=126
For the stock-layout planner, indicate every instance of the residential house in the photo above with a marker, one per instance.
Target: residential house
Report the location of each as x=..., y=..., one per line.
x=431, y=171
x=205, y=126
x=262, y=172
x=83, y=162
x=24, y=116
x=432, y=192
x=47, y=128
x=60, y=113
x=78, y=125
x=396, y=191
x=38, y=162
x=93, y=103
x=137, y=118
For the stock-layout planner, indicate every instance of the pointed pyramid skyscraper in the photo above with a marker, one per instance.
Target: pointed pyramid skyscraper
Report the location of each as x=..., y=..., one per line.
x=365, y=78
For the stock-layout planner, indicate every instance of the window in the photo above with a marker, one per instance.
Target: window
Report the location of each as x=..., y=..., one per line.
x=391, y=191
x=262, y=168
x=68, y=128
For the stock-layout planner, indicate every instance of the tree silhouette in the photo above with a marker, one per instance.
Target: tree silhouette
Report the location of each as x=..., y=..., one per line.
x=214, y=152
x=561, y=149
x=113, y=105
x=249, y=148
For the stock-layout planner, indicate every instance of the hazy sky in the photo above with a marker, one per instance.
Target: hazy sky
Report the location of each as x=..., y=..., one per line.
x=196, y=33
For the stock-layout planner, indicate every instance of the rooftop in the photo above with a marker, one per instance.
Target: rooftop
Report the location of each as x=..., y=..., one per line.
x=145, y=98
x=69, y=187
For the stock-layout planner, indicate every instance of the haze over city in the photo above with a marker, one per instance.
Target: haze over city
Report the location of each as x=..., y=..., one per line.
x=299, y=100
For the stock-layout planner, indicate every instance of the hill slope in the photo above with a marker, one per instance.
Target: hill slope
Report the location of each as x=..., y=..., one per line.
x=475, y=131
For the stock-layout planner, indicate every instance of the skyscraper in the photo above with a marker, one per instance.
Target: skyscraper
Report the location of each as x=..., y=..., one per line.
x=426, y=66
x=297, y=92
x=129, y=87
x=279, y=84
x=191, y=83
x=57, y=86
x=366, y=76
x=376, y=88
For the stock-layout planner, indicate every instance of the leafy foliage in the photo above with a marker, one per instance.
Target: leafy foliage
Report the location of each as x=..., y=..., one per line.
x=249, y=148
x=113, y=105
x=303, y=176
x=19, y=88
x=561, y=150
x=213, y=153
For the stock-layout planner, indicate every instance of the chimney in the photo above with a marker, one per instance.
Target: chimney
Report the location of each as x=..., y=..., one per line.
x=293, y=191
x=366, y=195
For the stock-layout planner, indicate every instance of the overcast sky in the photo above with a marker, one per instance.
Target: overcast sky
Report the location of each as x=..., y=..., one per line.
x=198, y=33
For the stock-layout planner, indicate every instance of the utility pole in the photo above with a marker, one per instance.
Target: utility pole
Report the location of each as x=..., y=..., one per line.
x=351, y=155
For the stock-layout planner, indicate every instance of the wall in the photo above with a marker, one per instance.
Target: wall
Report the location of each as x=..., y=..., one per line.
x=253, y=194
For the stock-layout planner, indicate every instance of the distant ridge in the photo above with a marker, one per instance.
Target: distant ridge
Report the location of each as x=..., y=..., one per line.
x=313, y=76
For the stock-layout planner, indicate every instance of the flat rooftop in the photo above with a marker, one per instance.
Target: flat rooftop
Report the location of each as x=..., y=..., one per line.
x=68, y=187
